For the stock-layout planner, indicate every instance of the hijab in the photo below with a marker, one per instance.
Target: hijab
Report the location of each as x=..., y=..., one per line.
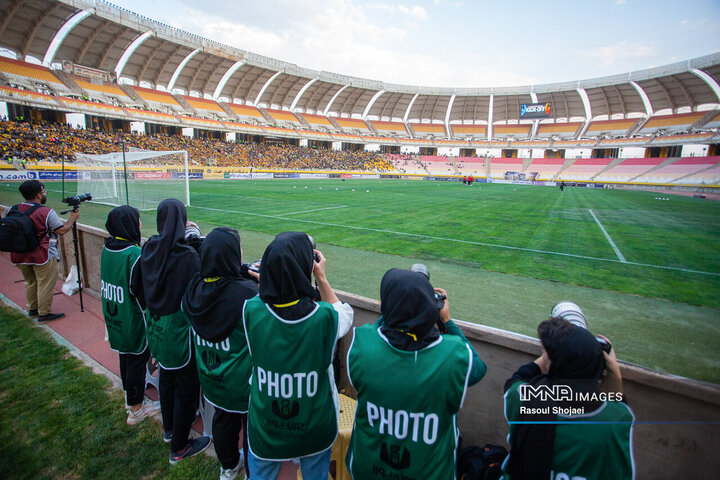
x=285, y=275
x=408, y=308
x=214, y=299
x=123, y=225
x=576, y=360
x=168, y=263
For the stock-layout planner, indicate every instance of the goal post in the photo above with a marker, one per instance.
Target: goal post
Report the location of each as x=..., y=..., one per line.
x=140, y=178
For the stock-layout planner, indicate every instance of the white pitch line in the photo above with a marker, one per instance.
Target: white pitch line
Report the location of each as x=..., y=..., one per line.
x=313, y=210
x=482, y=244
x=610, y=240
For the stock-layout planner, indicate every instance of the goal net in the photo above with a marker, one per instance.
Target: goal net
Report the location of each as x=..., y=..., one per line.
x=140, y=178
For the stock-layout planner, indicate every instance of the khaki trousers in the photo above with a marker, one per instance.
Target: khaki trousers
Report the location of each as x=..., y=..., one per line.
x=40, y=285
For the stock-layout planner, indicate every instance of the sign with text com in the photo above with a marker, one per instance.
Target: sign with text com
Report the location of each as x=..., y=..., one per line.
x=535, y=110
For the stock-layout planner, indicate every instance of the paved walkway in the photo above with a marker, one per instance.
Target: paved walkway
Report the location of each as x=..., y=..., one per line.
x=84, y=334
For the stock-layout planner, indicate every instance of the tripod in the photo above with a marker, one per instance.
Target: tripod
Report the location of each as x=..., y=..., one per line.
x=77, y=254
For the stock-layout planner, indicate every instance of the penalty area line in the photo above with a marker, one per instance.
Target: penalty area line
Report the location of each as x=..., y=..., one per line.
x=455, y=240
x=607, y=236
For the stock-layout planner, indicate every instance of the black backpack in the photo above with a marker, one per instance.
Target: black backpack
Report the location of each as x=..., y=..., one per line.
x=481, y=463
x=17, y=232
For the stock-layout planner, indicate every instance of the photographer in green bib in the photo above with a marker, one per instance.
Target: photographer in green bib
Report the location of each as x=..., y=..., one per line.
x=214, y=303
x=159, y=280
x=411, y=381
x=124, y=318
x=292, y=338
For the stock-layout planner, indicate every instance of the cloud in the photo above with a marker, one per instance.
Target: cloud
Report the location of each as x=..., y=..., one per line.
x=416, y=12
x=620, y=2
x=619, y=53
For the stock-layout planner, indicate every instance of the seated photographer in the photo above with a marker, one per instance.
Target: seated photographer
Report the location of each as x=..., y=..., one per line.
x=557, y=437
x=213, y=303
x=291, y=338
x=411, y=382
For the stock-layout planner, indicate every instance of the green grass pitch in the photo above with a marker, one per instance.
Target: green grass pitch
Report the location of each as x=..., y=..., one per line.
x=646, y=271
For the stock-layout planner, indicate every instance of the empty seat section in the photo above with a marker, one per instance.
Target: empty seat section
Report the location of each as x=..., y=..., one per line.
x=405, y=163
x=498, y=166
x=17, y=70
x=585, y=168
x=546, y=168
x=710, y=176
x=246, y=112
x=682, y=167
x=157, y=98
x=671, y=123
x=389, y=127
x=469, y=130
x=561, y=130
x=428, y=129
x=437, y=164
x=283, y=117
x=102, y=88
x=629, y=168
x=317, y=120
x=610, y=127
x=352, y=124
x=204, y=104
x=470, y=165
x=515, y=131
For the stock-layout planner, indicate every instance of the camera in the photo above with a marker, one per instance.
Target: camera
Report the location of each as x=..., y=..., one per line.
x=77, y=200
x=439, y=297
x=246, y=267
x=571, y=313
x=316, y=257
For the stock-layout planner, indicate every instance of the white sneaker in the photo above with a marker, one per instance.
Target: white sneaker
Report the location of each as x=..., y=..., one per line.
x=232, y=473
x=148, y=409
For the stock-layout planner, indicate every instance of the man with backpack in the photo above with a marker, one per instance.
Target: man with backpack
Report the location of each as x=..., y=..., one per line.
x=38, y=264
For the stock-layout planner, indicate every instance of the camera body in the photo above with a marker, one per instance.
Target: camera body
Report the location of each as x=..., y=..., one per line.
x=439, y=297
x=77, y=200
x=246, y=267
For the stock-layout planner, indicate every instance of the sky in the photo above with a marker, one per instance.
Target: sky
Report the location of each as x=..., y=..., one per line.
x=455, y=43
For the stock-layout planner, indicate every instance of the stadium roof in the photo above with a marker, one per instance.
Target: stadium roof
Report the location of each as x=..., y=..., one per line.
x=100, y=35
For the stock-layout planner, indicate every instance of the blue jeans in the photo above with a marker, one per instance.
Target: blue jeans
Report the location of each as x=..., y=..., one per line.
x=314, y=467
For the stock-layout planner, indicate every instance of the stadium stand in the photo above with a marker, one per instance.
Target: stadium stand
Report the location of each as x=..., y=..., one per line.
x=392, y=127
x=670, y=123
x=438, y=165
x=615, y=128
x=713, y=123
x=283, y=118
x=680, y=139
x=628, y=169
x=498, y=166
x=424, y=129
x=559, y=130
x=95, y=107
x=470, y=166
x=106, y=89
x=315, y=120
x=157, y=98
x=24, y=73
x=205, y=105
x=546, y=168
x=585, y=168
x=469, y=130
x=246, y=112
x=682, y=169
x=352, y=124
x=511, y=131
x=710, y=176
x=405, y=163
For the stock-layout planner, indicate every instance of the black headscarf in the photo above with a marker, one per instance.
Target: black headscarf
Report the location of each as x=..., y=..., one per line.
x=409, y=310
x=285, y=275
x=123, y=225
x=576, y=360
x=214, y=299
x=167, y=262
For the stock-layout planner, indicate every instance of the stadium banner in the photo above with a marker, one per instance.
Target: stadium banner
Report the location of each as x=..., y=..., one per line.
x=376, y=176
x=443, y=179
x=213, y=175
x=390, y=176
x=521, y=176
x=313, y=175
x=191, y=175
x=498, y=180
x=153, y=176
x=535, y=110
x=57, y=175
x=18, y=175
x=238, y=176
x=286, y=175
x=262, y=175
x=345, y=175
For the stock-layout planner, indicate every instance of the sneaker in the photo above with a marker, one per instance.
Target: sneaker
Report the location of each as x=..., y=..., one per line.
x=167, y=437
x=232, y=473
x=148, y=409
x=33, y=312
x=49, y=316
x=193, y=447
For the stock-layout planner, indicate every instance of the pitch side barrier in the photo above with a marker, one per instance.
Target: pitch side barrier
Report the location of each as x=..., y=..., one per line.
x=677, y=427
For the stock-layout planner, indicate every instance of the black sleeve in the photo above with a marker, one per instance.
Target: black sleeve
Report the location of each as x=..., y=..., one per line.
x=136, y=284
x=523, y=374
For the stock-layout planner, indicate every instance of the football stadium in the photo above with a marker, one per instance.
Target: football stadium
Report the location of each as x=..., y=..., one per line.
x=603, y=192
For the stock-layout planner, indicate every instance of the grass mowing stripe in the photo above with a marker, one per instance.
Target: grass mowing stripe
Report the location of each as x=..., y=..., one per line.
x=610, y=240
x=468, y=242
x=313, y=210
